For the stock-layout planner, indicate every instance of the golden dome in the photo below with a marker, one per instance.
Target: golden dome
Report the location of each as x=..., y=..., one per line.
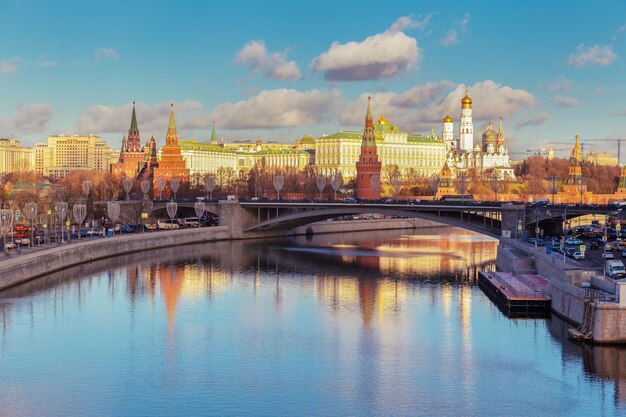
x=448, y=119
x=466, y=101
x=382, y=120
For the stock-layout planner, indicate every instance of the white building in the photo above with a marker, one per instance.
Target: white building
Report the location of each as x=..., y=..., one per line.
x=64, y=154
x=14, y=157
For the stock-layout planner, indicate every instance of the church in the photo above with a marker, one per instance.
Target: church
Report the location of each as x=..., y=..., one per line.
x=489, y=157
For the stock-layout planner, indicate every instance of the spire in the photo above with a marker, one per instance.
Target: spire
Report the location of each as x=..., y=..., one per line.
x=172, y=134
x=369, y=120
x=134, y=141
x=577, y=154
x=213, y=136
x=133, y=120
x=500, y=130
x=123, y=143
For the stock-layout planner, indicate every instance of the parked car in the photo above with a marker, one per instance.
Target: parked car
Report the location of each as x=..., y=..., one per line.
x=569, y=252
x=579, y=256
x=10, y=245
x=607, y=254
x=573, y=241
x=168, y=224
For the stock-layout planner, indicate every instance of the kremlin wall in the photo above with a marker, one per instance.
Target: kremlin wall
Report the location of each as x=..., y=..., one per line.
x=363, y=156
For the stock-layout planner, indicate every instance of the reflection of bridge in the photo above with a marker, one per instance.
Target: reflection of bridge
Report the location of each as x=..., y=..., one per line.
x=493, y=219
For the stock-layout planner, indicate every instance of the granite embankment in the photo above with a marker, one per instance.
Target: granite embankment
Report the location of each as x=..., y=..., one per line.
x=591, y=302
x=27, y=266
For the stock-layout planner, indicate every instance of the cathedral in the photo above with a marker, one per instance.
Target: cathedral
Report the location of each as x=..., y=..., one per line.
x=489, y=157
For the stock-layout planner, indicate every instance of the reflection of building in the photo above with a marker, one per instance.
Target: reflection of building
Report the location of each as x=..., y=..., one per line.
x=171, y=163
x=64, y=154
x=490, y=155
x=15, y=158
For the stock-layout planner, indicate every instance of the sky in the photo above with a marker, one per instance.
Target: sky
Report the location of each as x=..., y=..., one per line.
x=284, y=69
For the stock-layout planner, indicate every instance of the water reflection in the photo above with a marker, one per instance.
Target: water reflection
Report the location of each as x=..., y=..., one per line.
x=380, y=322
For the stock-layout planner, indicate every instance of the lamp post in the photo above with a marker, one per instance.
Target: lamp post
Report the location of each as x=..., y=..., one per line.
x=6, y=224
x=581, y=186
x=113, y=211
x=145, y=188
x=161, y=182
x=209, y=185
x=278, y=184
x=335, y=182
x=320, y=181
x=30, y=211
x=174, y=184
x=127, y=184
x=60, y=209
x=80, y=212
x=553, y=185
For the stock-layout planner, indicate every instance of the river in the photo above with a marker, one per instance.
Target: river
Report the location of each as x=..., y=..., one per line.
x=368, y=323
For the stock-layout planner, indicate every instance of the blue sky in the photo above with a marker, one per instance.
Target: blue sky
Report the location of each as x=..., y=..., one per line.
x=283, y=69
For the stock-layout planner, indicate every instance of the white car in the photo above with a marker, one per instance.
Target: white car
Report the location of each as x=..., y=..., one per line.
x=572, y=241
x=607, y=254
x=579, y=256
x=10, y=245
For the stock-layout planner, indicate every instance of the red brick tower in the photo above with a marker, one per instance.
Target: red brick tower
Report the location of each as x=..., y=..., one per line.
x=368, y=165
x=171, y=163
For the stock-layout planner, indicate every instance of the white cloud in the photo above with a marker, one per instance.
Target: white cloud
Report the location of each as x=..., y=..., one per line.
x=44, y=62
x=105, y=119
x=103, y=52
x=10, y=65
x=254, y=55
x=32, y=118
x=450, y=38
x=423, y=107
x=565, y=101
x=536, y=120
x=271, y=109
x=560, y=84
x=600, y=55
x=410, y=22
x=384, y=55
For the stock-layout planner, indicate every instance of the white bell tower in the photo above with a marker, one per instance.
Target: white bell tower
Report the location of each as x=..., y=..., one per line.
x=466, y=128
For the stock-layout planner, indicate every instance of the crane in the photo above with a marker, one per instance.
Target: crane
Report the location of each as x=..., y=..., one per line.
x=582, y=144
x=545, y=151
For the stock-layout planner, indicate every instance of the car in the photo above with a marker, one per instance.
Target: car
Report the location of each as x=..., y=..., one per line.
x=607, y=254
x=10, y=245
x=578, y=256
x=569, y=252
x=151, y=226
x=23, y=241
x=593, y=245
x=573, y=241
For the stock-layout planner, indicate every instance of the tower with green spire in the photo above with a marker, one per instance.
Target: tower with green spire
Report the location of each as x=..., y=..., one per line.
x=132, y=157
x=213, y=135
x=368, y=166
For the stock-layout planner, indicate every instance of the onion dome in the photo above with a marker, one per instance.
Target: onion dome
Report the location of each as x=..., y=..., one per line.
x=449, y=119
x=466, y=102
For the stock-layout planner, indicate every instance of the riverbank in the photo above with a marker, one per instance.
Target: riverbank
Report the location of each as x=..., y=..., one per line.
x=16, y=270
x=594, y=305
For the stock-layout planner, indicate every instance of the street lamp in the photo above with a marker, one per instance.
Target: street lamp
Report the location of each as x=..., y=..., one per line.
x=553, y=185
x=127, y=184
x=278, y=184
x=30, y=211
x=60, y=209
x=581, y=186
x=335, y=182
x=320, y=181
x=209, y=185
x=161, y=182
x=174, y=184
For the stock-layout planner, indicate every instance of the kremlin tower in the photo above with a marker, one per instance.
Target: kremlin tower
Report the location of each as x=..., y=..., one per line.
x=172, y=163
x=368, y=164
x=131, y=154
x=466, y=128
x=446, y=185
x=575, y=173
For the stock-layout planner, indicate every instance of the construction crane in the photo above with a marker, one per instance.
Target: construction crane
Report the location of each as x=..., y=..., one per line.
x=545, y=151
x=582, y=145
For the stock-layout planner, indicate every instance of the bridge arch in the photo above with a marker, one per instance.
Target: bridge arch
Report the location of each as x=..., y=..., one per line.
x=476, y=221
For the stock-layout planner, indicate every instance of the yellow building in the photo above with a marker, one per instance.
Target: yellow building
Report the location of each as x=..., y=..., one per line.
x=602, y=159
x=64, y=154
x=15, y=158
x=340, y=151
x=207, y=158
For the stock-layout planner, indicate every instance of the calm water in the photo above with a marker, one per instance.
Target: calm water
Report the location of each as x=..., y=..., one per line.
x=388, y=323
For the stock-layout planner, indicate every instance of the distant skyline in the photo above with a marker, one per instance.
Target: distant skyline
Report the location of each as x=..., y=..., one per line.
x=285, y=69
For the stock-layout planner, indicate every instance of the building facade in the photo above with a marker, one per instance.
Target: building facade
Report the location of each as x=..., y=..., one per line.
x=171, y=163
x=14, y=157
x=132, y=154
x=422, y=155
x=368, y=166
x=489, y=156
x=64, y=154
